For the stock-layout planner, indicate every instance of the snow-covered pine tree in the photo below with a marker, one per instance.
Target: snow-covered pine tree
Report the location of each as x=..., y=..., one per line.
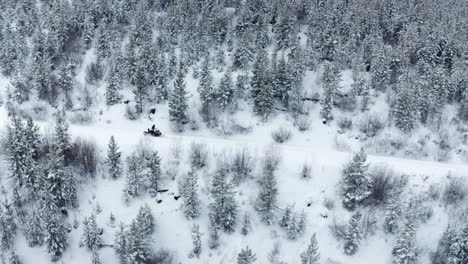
x=459, y=251
x=189, y=192
x=353, y=235
x=281, y=81
x=311, y=255
x=226, y=91
x=95, y=257
x=223, y=209
x=141, y=89
x=53, y=188
x=91, y=236
x=246, y=224
x=405, y=110
x=448, y=248
x=34, y=229
x=138, y=248
x=134, y=181
x=284, y=30
x=153, y=163
x=121, y=243
x=392, y=215
x=114, y=159
x=268, y=197
x=66, y=82
x=62, y=136
x=196, y=240
x=262, y=90
x=405, y=250
x=7, y=227
x=330, y=81
x=178, y=101
x=287, y=216
x=213, y=242
x=114, y=84
x=103, y=40
x=55, y=235
x=206, y=90
x=145, y=219
x=161, y=80
x=246, y=256
x=355, y=185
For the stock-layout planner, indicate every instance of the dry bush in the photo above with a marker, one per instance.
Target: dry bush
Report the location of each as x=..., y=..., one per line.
x=302, y=122
x=384, y=184
x=94, y=73
x=281, y=135
x=455, y=191
x=198, y=155
x=85, y=155
x=272, y=159
x=345, y=124
x=242, y=165
x=372, y=125
x=81, y=117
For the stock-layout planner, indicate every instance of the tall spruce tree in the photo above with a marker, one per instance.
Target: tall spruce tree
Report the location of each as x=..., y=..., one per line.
x=405, y=250
x=189, y=192
x=268, y=197
x=178, y=101
x=114, y=159
x=223, y=209
x=311, y=255
x=355, y=185
x=353, y=235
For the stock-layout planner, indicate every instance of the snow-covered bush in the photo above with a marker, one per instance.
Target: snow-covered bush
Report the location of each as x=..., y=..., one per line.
x=455, y=191
x=271, y=159
x=242, y=165
x=81, y=117
x=85, y=155
x=281, y=135
x=372, y=125
x=302, y=122
x=345, y=124
x=306, y=171
x=37, y=110
x=198, y=155
x=163, y=257
x=94, y=73
x=131, y=113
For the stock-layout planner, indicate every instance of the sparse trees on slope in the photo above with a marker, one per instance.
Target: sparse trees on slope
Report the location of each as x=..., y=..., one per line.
x=355, y=185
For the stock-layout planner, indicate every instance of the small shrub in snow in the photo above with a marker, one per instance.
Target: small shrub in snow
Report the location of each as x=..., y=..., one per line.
x=131, y=113
x=94, y=73
x=384, y=184
x=198, y=155
x=163, y=257
x=329, y=203
x=281, y=135
x=271, y=159
x=38, y=111
x=455, y=191
x=435, y=191
x=81, y=117
x=345, y=124
x=306, y=171
x=371, y=125
x=302, y=122
x=85, y=154
x=338, y=230
x=242, y=165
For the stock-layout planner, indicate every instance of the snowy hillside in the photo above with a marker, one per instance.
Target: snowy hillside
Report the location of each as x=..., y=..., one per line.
x=263, y=131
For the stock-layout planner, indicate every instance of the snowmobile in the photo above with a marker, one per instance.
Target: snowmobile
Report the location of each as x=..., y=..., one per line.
x=153, y=132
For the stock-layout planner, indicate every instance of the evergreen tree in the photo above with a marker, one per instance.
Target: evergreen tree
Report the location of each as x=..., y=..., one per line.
x=7, y=227
x=114, y=159
x=66, y=82
x=330, y=82
x=62, y=136
x=113, y=85
x=355, y=186
x=206, y=90
x=138, y=248
x=55, y=176
x=103, y=44
x=55, y=235
x=353, y=235
x=405, y=109
x=262, y=91
x=134, y=180
x=141, y=90
x=268, y=197
x=145, y=220
x=196, y=240
x=284, y=31
x=155, y=175
x=246, y=256
x=448, y=248
x=392, y=215
x=121, y=243
x=246, y=225
x=178, y=101
x=189, y=192
x=281, y=81
x=311, y=255
x=213, y=243
x=34, y=230
x=223, y=209
x=226, y=91
x=405, y=250
x=90, y=238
